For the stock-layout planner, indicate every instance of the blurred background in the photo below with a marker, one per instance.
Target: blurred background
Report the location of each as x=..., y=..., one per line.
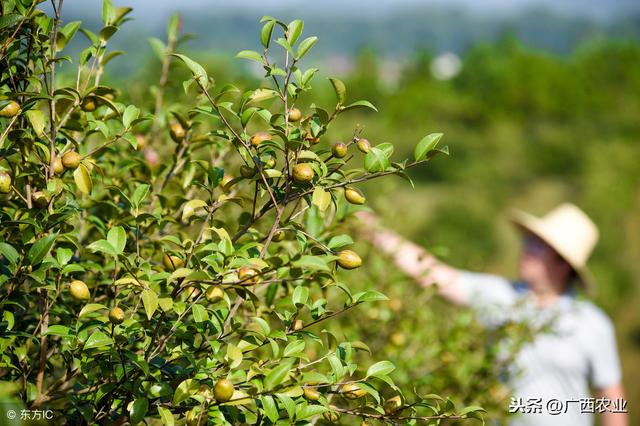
x=539, y=101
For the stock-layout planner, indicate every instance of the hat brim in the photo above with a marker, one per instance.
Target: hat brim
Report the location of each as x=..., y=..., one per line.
x=528, y=222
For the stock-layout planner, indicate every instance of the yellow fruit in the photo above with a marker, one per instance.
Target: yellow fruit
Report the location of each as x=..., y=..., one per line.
x=10, y=110
x=172, y=262
x=303, y=173
x=247, y=172
x=39, y=199
x=354, y=196
x=352, y=391
x=58, y=167
x=177, y=132
x=279, y=235
x=247, y=276
x=349, y=259
x=310, y=394
x=398, y=339
x=295, y=114
x=339, y=150
x=116, y=315
x=214, y=294
x=71, y=160
x=363, y=145
x=79, y=290
x=5, y=183
x=270, y=162
x=260, y=137
x=331, y=416
x=223, y=390
x=298, y=325
x=89, y=104
x=392, y=404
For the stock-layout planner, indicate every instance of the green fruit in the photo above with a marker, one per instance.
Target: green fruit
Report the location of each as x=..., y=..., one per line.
x=177, y=132
x=303, y=173
x=279, y=235
x=223, y=390
x=354, y=196
x=79, y=290
x=310, y=394
x=89, y=104
x=71, y=160
x=339, y=150
x=363, y=145
x=39, y=199
x=5, y=183
x=214, y=294
x=270, y=162
x=294, y=115
x=392, y=404
x=172, y=262
x=247, y=172
x=352, y=391
x=10, y=110
x=58, y=167
x=260, y=137
x=116, y=315
x=349, y=259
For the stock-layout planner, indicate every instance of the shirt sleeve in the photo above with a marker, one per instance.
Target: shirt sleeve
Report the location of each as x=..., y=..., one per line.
x=481, y=290
x=603, y=358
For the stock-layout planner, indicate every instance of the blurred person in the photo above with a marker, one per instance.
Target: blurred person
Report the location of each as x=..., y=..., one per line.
x=580, y=351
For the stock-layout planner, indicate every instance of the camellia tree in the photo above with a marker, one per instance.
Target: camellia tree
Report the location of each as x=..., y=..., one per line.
x=193, y=289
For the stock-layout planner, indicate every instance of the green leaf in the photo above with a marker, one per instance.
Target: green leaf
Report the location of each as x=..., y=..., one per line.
x=266, y=33
x=321, y=198
x=360, y=104
x=82, y=179
x=199, y=313
x=269, y=408
x=63, y=255
x=311, y=263
x=294, y=29
x=108, y=12
x=37, y=120
x=91, y=307
x=300, y=296
x=130, y=114
x=103, y=246
x=234, y=354
x=107, y=32
x=40, y=248
x=277, y=375
x=471, y=409
x=190, y=208
x=260, y=95
x=305, y=45
x=376, y=160
x=369, y=296
x=339, y=241
x=158, y=47
x=140, y=194
x=166, y=416
x=138, y=409
x=185, y=390
x=196, y=69
x=150, y=302
x=381, y=368
x=97, y=340
x=57, y=330
x=339, y=88
x=117, y=237
x=294, y=348
x=9, y=253
x=250, y=54
x=426, y=144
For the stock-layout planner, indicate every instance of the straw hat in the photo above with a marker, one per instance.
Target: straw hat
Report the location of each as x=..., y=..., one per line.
x=569, y=231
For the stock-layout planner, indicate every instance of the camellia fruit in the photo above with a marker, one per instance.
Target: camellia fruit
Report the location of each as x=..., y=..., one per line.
x=339, y=150
x=363, y=145
x=10, y=110
x=260, y=137
x=79, y=290
x=303, y=173
x=89, y=104
x=214, y=294
x=352, y=391
x=247, y=275
x=295, y=114
x=354, y=196
x=223, y=390
x=58, y=167
x=177, y=132
x=279, y=235
x=116, y=315
x=172, y=262
x=349, y=259
x=298, y=325
x=5, y=183
x=310, y=394
x=71, y=160
x=392, y=404
x=39, y=199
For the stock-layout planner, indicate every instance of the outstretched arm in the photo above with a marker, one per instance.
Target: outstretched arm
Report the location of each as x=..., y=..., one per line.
x=414, y=260
x=613, y=393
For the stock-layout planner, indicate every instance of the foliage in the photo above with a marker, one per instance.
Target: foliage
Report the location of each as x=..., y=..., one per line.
x=144, y=277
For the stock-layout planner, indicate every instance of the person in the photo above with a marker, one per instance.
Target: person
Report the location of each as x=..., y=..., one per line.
x=559, y=366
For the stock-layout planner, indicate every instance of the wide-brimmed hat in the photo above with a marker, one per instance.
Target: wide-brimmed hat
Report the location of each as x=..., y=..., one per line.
x=569, y=231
